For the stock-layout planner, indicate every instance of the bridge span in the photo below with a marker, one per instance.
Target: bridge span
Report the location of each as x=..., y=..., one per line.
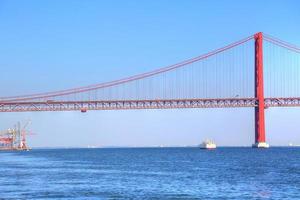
x=259, y=71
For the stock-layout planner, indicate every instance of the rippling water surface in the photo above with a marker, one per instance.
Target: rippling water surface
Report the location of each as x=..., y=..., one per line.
x=151, y=173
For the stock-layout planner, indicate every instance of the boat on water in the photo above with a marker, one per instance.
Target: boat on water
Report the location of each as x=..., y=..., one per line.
x=261, y=145
x=208, y=144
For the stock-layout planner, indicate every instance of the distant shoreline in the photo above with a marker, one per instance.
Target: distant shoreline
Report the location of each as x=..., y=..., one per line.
x=152, y=147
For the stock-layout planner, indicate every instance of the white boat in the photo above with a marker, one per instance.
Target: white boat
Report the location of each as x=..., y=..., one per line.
x=208, y=144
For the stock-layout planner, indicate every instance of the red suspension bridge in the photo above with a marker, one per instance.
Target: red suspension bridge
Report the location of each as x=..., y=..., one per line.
x=259, y=71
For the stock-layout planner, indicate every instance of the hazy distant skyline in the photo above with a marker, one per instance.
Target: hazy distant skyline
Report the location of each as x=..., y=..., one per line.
x=55, y=45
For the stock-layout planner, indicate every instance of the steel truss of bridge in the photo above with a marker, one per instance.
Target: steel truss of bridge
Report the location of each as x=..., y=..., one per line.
x=84, y=106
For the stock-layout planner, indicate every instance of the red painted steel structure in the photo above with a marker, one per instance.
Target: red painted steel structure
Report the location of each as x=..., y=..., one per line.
x=259, y=90
x=59, y=101
x=84, y=106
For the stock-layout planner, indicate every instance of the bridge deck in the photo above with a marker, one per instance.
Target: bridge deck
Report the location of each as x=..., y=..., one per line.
x=144, y=104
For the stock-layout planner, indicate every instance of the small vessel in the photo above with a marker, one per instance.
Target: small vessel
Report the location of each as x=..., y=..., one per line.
x=261, y=145
x=208, y=144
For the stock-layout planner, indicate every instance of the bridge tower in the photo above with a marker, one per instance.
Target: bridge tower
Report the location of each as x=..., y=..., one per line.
x=260, y=137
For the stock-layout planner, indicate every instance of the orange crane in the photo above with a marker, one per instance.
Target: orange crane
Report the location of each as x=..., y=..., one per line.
x=7, y=138
x=15, y=138
x=23, y=133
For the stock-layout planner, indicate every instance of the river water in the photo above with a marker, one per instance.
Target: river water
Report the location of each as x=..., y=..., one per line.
x=151, y=173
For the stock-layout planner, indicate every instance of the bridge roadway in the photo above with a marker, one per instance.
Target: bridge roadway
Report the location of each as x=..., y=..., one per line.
x=83, y=106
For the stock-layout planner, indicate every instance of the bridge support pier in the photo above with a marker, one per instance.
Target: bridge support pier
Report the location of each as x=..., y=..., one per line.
x=260, y=138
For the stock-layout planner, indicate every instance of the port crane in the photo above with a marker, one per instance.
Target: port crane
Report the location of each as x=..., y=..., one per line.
x=15, y=138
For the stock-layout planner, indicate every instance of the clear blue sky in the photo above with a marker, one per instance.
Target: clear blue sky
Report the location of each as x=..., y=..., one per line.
x=53, y=45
